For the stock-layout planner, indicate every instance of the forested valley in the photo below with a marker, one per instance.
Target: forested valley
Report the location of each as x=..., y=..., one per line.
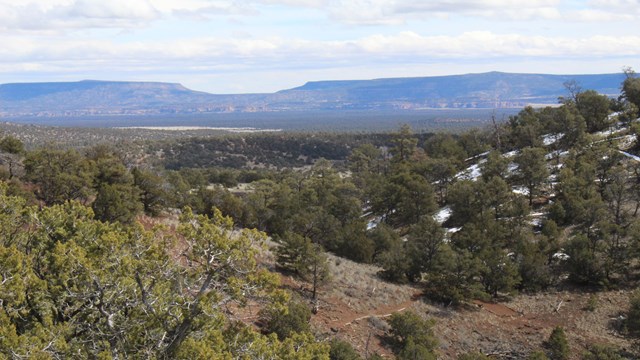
x=226, y=247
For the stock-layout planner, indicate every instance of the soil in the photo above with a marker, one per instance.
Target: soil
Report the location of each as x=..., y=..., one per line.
x=354, y=305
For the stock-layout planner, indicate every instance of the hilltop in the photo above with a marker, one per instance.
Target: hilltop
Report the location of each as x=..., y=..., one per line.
x=471, y=91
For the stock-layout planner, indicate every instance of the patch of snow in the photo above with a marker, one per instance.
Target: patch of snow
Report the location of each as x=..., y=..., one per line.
x=453, y=230
x=442, y=215
x=636, y=158
x=471, y=173
x=627, y=140
x=610, y=131
x=521, y=190
x=560, y=256
x=614, y=115
x=478, y=156
x=374, y=223
x=512, y=168
x=551, y=138
x=537, y=222
x=510, y=154
x=555, y=154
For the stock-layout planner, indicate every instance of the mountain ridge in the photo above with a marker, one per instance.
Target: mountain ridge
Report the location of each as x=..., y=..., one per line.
x=480, y=90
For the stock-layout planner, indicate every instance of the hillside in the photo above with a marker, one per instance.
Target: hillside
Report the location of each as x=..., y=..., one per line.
x=487, y=90
x=521, y=241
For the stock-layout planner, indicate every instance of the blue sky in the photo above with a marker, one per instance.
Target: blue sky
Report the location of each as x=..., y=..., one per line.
x=239, y=46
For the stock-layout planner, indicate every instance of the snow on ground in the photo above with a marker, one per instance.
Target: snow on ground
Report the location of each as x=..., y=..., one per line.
x=510, y=154
x=374, y=223
x=610, y=131
x=551, y=138
x=614, y=115
x=560, y=256
x=636, y=158
x=471, y=173
x=512, y=168
x=520, y=190
x=536, y=219
x=442, y=215
x=477, y=156
x=556, y=153
x=627, y=141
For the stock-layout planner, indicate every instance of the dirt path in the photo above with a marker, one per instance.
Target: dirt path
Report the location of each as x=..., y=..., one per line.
x=496, y=309
x=339, y=316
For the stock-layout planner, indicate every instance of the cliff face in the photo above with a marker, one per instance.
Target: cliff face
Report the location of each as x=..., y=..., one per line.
x=487, y=90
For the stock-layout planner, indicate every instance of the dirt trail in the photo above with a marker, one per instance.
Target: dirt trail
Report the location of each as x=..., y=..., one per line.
x=339, y=315
x=496, y=309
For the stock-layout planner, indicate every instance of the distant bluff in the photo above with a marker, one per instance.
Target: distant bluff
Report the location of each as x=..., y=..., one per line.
x=485, y=90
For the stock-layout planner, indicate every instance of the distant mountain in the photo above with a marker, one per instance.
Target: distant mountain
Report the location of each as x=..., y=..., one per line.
x=486, y=90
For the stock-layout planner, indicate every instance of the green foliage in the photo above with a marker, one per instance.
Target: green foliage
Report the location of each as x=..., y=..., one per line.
x=285, y=321
x=475, y=355
x=12, y=145
x=411, y=336
x=117, y=203
x=603, y=352
x=537, y=355
x=584, y=264
x=631, y=88
x=533, y=264
x=422, y=247
x=592, y=303
x=85, y=288
x=558, y=345
x=594, y=108
x=60, y=175
x=633, y=316
x=454, y=278
x=532, y=170
x=404, y=144
x=152, y=193
x=525, y=128
x=342, y=350
x=305, y=258
x=394, y=262
x=415, y=351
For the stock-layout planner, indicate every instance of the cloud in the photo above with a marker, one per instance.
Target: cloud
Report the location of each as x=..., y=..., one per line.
x=61, y=15
x=279, y=52
x=400, y=11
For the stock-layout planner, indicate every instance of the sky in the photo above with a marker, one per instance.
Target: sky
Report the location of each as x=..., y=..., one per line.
x=253, y=46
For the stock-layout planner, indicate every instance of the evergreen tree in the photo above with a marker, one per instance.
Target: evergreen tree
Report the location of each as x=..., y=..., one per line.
x=532, y=170
x=558, y=345
x=411, y=336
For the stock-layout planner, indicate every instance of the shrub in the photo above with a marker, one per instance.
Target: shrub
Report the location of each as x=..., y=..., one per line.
x=342, y=350
x=633, y=317
x=411, y=336
x=558, y=344
x=602, y=352
x=285, y=321
x=475, y=355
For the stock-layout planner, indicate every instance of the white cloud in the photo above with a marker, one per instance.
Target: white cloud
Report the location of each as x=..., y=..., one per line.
x=282, y=52
x=112, y=9
x=393, y=12
x=61, y=15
